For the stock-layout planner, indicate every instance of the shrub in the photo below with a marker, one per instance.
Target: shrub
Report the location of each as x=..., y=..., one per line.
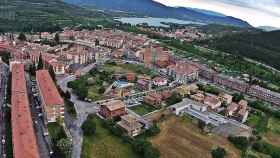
x=219, y=153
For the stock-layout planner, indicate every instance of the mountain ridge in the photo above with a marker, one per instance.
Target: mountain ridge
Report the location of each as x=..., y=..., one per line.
x=155, y=9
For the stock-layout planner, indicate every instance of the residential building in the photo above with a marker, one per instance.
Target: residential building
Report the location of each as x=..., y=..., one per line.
x=212, y=101
x=131, y=125
x=198, y=97
x=153, y=99
x=144, y=84
x=226, y=98
x=112, y=109
x=23, y=133
x=238, y=111
x=183, y=72
x=160, y=81
x=264, y=94
x=52, y=102
x=231, y=83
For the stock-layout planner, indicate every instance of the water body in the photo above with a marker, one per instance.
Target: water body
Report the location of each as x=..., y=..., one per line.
x=154, y=21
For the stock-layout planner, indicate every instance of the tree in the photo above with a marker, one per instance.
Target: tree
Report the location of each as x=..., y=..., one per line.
x=5, y=56
x=237, y=97
x=89, y=127
x=153, y=131
x=219, y=153
x=22, y=37
x=32, y=70
x=241, y=143
x=67, y=95
x=96, y=42
x=52, y=73
x=40, y=64
x=65, y=147
x=175, y=98
x=101, y=90
x=57, y=38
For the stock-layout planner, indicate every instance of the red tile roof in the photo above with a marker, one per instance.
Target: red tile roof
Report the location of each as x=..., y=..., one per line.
x=24, y=139
x=48, y=89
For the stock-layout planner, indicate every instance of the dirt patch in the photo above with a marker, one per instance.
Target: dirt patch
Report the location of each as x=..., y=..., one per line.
x=180, y=138
x=272, y=138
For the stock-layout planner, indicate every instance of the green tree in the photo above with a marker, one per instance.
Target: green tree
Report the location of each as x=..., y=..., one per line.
x=237, y=97
x=6, y=56
x=65, y=147
x=57, y=38
x=153, y=131
x=67, y=95
x=32, y=70
x=52, y=73
x=101, y=90
x=175, y=98
x=219, y=153
x=40, y=64
x=22, y=37
x=89, y=127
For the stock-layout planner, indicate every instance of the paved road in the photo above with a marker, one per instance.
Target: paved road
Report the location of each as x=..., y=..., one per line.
x=4, y=70
x=74, y=125
x=44, y=142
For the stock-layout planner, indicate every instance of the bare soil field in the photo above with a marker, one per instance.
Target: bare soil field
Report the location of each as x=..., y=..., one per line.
x=181, y=138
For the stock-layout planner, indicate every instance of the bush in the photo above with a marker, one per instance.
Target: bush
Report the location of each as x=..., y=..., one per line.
x=237, y=97
x=153, y=131
x=89, y=127
x=219, y=153
x=145, y=148
x=175, y=98
x=267, y=148
x=241, y=143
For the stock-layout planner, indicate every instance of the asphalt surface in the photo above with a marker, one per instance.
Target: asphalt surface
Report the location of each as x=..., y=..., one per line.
x=4, y=70
x=83, y=109
x=40, y=127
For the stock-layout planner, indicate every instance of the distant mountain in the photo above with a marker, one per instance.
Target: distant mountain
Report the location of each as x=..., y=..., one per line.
x=16, y=15
x=258, y=45
x=268, y=28
x=155, y=9
x=208, y=12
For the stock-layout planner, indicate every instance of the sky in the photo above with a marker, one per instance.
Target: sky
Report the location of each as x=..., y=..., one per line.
x=256, y=12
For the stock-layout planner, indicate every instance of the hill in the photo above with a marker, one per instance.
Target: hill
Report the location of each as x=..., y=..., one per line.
x=42, y=14
x=258, y=45
x=155, y=9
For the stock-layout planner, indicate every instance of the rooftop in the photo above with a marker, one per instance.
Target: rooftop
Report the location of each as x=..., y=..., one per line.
x=24, y=139
x=48, y=89
x=114, y=105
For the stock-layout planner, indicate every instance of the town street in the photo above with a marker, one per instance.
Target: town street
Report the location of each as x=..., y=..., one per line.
x=4, y=70
x=83, y=109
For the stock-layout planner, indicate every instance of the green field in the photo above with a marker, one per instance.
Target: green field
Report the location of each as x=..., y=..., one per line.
x=274, y=125
x=143, y=109
x=259, y=121
x=105, y=145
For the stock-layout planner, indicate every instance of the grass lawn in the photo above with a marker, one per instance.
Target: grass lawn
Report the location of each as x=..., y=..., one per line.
x=181, y=138
x=143, y=109
x=258, y=121
x=105, y=145
x=94, y=94
x=274, y=125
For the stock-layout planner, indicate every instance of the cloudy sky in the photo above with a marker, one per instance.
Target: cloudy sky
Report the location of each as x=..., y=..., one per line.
x=256, y=12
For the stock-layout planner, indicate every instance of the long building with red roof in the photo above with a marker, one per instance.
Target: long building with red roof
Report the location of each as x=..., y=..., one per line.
x=24, y=138
x=52, y=102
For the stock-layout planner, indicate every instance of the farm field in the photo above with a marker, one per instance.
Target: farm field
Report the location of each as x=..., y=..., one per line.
x=181, y=138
